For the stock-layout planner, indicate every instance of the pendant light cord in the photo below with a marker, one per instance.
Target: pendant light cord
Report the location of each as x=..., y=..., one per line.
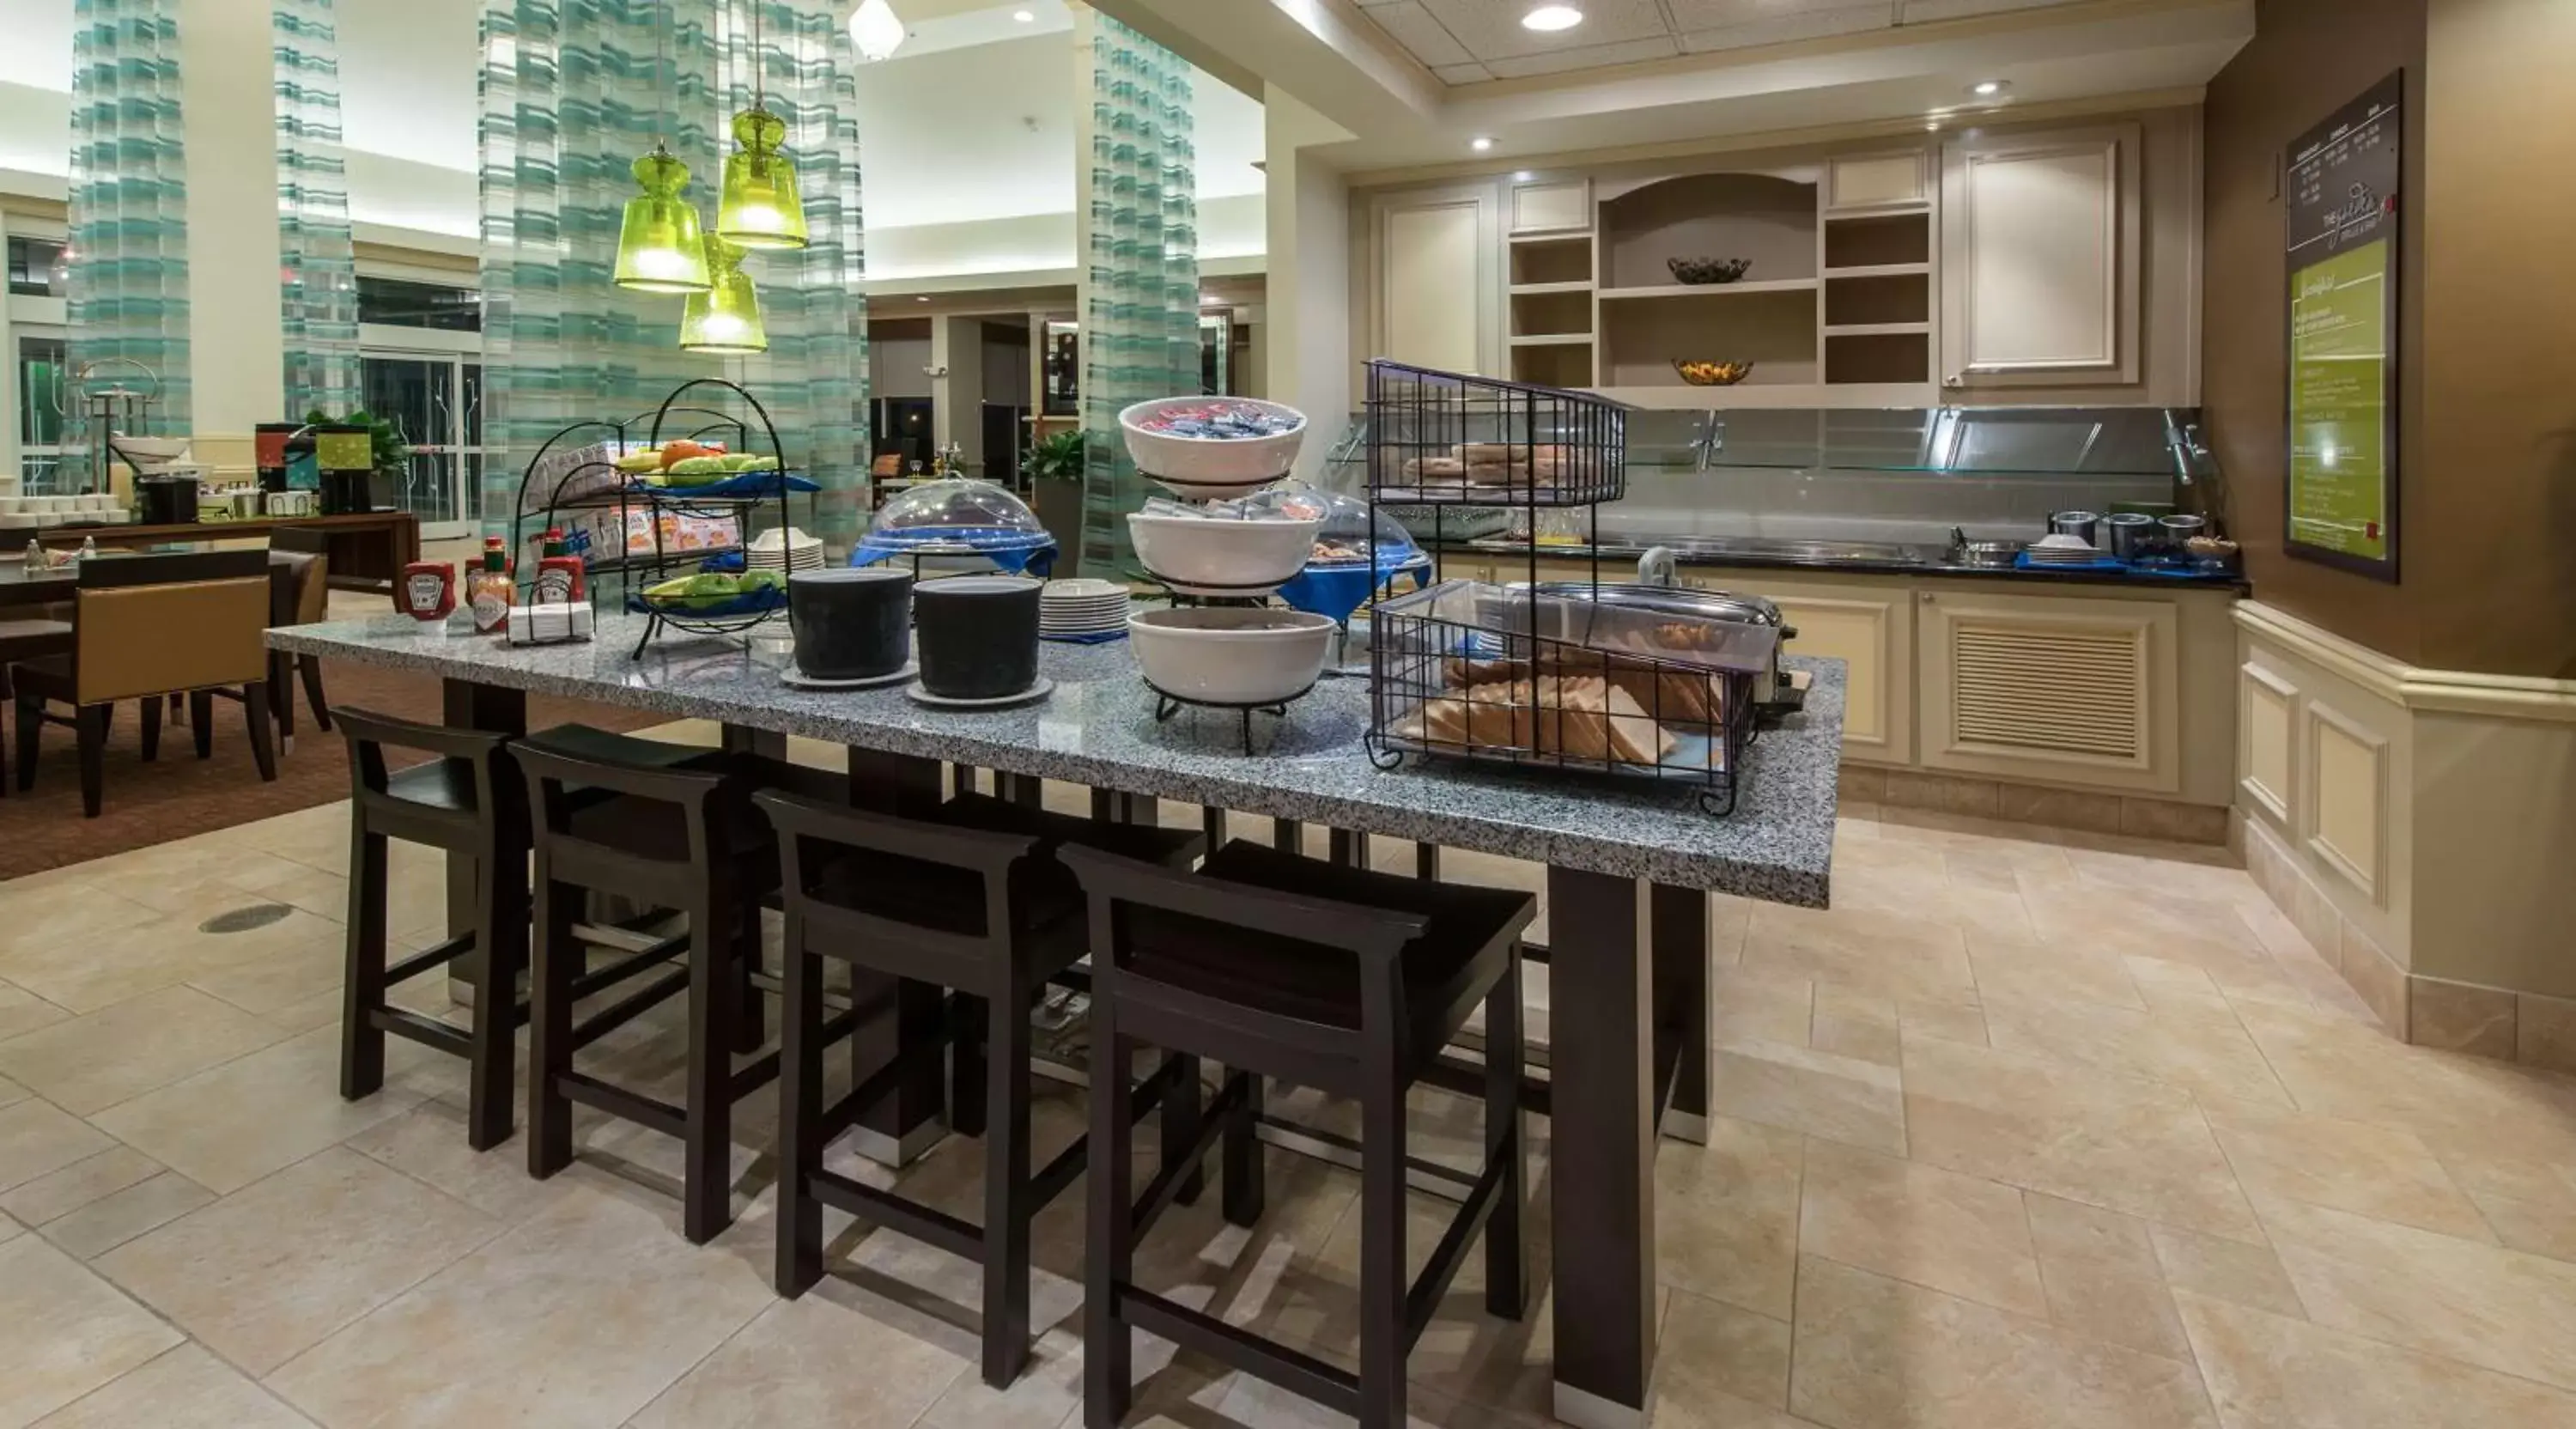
x=662, y=61
x=759, y=80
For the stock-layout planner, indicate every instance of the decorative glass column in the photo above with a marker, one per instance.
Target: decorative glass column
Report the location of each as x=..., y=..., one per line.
x=573, y=91
x=318, y=268
x=1140, y=311
x=129, y=263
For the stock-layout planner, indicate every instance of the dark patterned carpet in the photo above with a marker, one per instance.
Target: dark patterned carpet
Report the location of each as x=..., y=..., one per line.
x=179, y=794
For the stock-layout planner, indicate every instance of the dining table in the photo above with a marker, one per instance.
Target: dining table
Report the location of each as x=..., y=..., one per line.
x=1629, y=865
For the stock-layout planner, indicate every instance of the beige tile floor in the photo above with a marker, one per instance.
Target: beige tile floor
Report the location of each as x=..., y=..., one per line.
x=2026, y=1131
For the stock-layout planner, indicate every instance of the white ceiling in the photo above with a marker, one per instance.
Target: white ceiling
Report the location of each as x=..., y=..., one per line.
x=1471, y=41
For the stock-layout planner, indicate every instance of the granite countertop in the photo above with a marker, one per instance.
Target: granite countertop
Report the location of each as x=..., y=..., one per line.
x=1930, y=561
x=1098, y=729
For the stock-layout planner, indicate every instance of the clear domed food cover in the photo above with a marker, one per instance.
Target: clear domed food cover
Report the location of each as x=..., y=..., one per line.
x=960, y=516
x=1343, y=540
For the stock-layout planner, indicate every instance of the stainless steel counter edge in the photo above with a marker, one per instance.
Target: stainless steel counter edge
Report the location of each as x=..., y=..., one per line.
x=1618, y=563
x=1098, y=729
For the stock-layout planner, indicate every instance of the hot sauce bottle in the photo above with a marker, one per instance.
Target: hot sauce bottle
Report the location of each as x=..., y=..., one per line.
x=491, y=592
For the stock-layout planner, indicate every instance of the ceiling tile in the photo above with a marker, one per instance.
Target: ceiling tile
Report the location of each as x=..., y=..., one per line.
x=1689, y=15
x=1591, y=57
x=1919, y=12
x=1786, y=28
x=1462, y=74
x=1412, y=27
x=1491, y=29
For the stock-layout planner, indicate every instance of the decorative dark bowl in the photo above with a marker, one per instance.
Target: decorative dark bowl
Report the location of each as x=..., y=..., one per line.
x=1707, y=270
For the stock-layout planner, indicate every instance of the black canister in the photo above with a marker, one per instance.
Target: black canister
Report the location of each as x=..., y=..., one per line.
x=850, y=624
x=978, y=634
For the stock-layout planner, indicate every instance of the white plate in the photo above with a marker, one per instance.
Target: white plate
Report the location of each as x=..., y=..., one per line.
x=1083, y=588
x=1043, y=688
x=794, y=678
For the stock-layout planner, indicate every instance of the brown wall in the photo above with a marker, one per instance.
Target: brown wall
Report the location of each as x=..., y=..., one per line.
x=2307, y=58
x=2496, y=591
x=2487, y=341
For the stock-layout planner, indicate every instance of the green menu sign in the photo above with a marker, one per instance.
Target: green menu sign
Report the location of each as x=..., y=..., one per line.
x=2342, y=185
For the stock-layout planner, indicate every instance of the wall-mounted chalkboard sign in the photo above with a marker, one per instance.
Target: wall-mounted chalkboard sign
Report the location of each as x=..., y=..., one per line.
x=2342, y=183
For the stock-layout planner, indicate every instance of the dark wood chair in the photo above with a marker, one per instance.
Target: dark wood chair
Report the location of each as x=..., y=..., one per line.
x=968, y=896
x=27, y=640
x=304, y=599
x=145, y=628
x=1329, y=977
x=614, y=817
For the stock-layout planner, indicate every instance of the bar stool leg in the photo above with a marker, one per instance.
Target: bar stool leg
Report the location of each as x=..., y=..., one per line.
x=1246, y=1178
x=1108, y=1344
x=1382, y=1277
x=1506, y=1135
x=706, y=1198
x=968, y=1016
x=751, y=1015
x=496, y=1008
x=362, y=1042
x=1184, y=1109
x=553, y=958
x=800, y=1119
x=1006, y=1185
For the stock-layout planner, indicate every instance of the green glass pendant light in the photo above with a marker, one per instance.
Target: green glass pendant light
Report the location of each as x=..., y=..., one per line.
x=724, y=321
x=660, y=247
x=760, y=207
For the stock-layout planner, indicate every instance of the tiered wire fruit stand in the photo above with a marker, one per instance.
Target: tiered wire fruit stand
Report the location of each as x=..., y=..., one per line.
x=1524, y=674
x=593, y=482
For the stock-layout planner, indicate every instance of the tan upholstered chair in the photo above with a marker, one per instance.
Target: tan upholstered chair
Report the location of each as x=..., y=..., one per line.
x=145, y=627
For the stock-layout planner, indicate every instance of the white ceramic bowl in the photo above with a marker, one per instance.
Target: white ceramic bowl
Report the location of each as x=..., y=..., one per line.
x=1201, y=556
x=1207, y=468
x=1229, y=654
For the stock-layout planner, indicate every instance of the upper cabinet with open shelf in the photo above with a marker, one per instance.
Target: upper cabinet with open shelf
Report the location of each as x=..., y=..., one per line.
x=2009, y=264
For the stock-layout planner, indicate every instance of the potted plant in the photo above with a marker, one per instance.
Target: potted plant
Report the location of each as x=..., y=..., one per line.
x=1054, y=466
x=391, y=456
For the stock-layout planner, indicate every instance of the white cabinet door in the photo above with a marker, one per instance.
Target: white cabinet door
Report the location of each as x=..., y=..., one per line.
x=2040, y=258
x=1437, y=290
x=2052, y=689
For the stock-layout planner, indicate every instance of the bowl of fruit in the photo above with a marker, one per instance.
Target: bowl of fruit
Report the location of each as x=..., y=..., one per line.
x=1712, y=374
x=716, y=593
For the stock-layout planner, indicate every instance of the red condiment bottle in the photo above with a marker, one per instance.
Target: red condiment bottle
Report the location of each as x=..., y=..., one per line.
x=559, y=575
x=427, y=591
x=491, y=592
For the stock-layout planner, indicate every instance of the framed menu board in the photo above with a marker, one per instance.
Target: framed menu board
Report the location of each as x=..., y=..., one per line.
x=2342, y=184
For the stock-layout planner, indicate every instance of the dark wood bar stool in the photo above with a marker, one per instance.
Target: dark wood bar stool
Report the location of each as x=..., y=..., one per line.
x=1331, y=977
x=619, y=822
x=466, y=800
x=966, y=896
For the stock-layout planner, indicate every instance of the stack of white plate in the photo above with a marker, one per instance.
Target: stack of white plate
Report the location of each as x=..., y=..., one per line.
x=1072, y=609
x=2062, y=550
x=791, y=550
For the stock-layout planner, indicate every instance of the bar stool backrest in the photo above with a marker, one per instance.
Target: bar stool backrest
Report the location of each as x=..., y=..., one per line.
x=810, y=830
x=477, y=756
x=1374, y=938
x=699, y=800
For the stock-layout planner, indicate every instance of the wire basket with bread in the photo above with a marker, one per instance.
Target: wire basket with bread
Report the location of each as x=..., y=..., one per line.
x=1513, y=675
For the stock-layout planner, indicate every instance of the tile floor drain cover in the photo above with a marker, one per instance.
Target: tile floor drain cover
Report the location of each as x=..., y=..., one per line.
x=242, y=920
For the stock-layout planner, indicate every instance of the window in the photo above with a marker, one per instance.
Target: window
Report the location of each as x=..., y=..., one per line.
x=435, y=402
x=42, y=381
x=400, y=302
x=38, y=267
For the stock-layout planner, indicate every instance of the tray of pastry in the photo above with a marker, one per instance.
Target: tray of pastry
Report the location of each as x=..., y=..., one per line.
x=1504, y=673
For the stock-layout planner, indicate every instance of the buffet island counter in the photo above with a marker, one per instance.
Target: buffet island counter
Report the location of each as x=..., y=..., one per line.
x=1629, y=864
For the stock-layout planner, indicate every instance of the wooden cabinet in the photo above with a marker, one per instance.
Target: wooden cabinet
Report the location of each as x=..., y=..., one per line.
x=2051, y=689
x=1869, y=627
x=2041, y=258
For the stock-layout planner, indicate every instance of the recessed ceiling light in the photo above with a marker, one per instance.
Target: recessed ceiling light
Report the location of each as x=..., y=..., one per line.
x=923, y=298
x=1548, y=19
x=1480, y=143
x=1989, y=88
x=1025, y=17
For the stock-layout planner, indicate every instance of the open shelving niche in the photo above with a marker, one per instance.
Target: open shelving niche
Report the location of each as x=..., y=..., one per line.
x=1836, y=309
